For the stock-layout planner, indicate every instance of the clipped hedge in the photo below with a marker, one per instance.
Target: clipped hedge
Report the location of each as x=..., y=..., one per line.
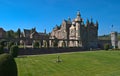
x=1, y=49
x=14, y=50
x=8, y=65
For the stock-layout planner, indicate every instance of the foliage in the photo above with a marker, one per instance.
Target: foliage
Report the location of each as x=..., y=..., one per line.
x=1, y=49
x=10, y=34
x=13, y=34
x=106, y=47
x=10, y=44
x=95, y=63
x=55, y=42
x=36, y=44
x=2, y=42
x=18, y=33
x=8, y=65
x=14, y=51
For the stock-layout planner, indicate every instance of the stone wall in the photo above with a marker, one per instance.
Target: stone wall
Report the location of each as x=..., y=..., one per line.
x=30, y=51
x=101, y=43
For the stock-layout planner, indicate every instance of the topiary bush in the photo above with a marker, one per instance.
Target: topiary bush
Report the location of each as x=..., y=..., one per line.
x=8, y=65
x=14, y=50
x=1, y=49
x=106, y=47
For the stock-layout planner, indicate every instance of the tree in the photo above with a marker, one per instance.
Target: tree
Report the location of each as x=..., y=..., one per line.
x=55, y=42
x=36, y=44
x=18, y=33
x=3, y=42
x=11, y=43
x=1, y=49
x=10, y=34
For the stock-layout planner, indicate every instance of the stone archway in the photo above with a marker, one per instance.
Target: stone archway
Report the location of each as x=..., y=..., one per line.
x=63, y=44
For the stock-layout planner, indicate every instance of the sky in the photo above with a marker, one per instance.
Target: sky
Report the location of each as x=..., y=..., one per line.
x=45, y=14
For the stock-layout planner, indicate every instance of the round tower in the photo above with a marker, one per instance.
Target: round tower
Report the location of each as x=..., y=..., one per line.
x=78, y=21
x=114, y=40
x=78, y=24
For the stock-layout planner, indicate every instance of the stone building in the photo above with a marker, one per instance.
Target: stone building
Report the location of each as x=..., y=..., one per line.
x=27, y=32
x=33, y=34
x=75, y=33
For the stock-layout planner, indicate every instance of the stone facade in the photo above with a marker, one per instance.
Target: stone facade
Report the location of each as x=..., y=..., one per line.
x=27, y=32
x=119, y=44
x=114, y=40
x=75, y=33
x=33, y=34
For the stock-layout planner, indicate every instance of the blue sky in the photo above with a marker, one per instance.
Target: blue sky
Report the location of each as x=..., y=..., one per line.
x=45, y=14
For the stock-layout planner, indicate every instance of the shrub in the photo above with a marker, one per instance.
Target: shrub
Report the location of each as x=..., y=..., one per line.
x=2, y=42
x=36, y=44
x=14, y=50
x=8, y=65
x=10, y=44
x=55, y=42
x=106, y=47
x=1, y=49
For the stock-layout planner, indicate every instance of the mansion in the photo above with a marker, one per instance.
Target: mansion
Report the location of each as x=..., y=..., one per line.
x=75, y=33
x=71, y=33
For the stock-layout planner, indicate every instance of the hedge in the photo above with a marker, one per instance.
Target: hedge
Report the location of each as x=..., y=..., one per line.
x=8, y=65
x=1, y=49
x=14, y=50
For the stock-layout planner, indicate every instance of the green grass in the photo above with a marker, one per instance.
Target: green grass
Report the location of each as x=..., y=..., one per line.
x=97, y=63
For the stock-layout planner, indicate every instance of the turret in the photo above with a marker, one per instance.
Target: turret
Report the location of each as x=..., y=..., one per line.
x=78, y=23
x=69, y=21
x=78, y=14
x=87, y=22
x=96, y=24
x=45, y=31
x=91, y=20
x=78, y=18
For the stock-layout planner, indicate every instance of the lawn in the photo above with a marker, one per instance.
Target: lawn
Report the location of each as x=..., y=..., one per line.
x=95, y=63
